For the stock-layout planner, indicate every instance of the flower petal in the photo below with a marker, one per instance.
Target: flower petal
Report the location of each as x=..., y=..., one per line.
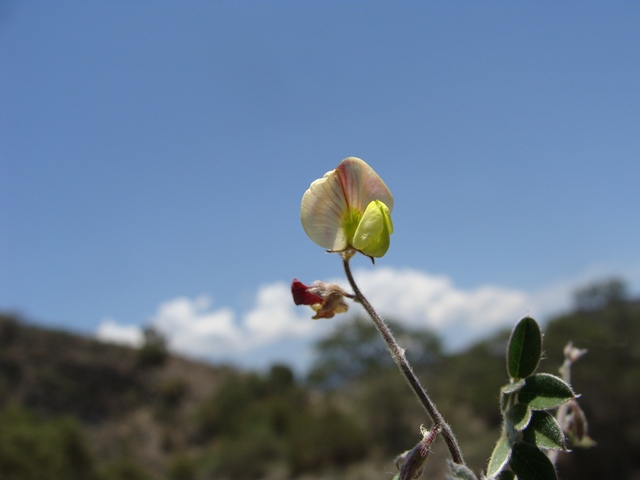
x=302, y=295
x=334, y=303
x=323, y=206
x=362, y=185
x=372, y=234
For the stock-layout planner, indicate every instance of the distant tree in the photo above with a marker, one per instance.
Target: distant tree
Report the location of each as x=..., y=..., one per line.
x=125, y=468
x=600, y=294
x=153, y=351
x=9, y=328
x=257, y=420
x=280, y=377
x=324, y=437
x=33, y=448
x=182, y=467
x=355, y=349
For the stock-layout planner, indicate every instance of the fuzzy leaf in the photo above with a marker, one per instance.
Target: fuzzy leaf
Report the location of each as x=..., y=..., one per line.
x=529, y=463
x=544, y=432
x=519, y=415
x=499, y=457
x=460, y=472
x=544, y=391
x=512, y=387
x=525, y=348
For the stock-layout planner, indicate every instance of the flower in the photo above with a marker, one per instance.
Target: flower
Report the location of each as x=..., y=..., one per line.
x=349, y=209
x=326, y=299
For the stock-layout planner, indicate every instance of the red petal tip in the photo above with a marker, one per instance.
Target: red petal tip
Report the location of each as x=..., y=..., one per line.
x=301, y=294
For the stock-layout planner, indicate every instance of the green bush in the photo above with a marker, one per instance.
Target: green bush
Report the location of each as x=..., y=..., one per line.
x=35, y=449
x=324, y=439
x=243, y=457
x=181, y=467
x=124, y=469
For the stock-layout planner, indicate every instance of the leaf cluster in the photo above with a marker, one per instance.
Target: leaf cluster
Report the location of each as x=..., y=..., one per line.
x=608, y=379
x=528, y=426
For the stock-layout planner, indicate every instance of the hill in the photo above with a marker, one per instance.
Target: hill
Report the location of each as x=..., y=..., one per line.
x=126, y=403
x=75, y=408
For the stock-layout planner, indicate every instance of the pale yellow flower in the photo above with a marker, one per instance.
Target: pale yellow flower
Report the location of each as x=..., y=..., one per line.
x=349, y=209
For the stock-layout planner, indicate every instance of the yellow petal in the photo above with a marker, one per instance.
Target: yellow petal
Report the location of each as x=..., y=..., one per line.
x=372, y=234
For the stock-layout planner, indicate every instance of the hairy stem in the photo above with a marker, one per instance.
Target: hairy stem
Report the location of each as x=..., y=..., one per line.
x=403, y=364
x=571, y=355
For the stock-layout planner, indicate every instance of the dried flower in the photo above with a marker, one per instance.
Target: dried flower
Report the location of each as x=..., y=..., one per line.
x=326, y=299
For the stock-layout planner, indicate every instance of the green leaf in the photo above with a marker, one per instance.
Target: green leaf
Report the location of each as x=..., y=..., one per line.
x=499, y=457
x=544, y=432
x=525, y=348
x=512, y=387
x=519, y=415
x=460, y=472
x=529, y=463
x=544, y=391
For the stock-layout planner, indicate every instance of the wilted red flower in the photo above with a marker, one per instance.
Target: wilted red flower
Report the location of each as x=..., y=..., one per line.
x=326, y=299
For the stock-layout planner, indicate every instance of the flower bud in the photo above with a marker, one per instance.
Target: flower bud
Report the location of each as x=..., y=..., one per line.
x=413, y=461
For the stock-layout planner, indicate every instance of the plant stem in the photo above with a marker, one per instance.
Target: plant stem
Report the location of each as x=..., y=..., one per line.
x=403, y=364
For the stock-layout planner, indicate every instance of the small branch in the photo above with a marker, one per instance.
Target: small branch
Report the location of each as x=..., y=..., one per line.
x=571, y=355
x=403, y=364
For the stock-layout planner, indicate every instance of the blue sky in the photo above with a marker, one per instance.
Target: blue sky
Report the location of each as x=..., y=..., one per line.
x=153, y=156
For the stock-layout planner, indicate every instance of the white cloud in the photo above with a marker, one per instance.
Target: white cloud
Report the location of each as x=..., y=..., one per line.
x=193, y=328
x=274, y=317
x=111, y=331
x=423, y=300
x=275, y=328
